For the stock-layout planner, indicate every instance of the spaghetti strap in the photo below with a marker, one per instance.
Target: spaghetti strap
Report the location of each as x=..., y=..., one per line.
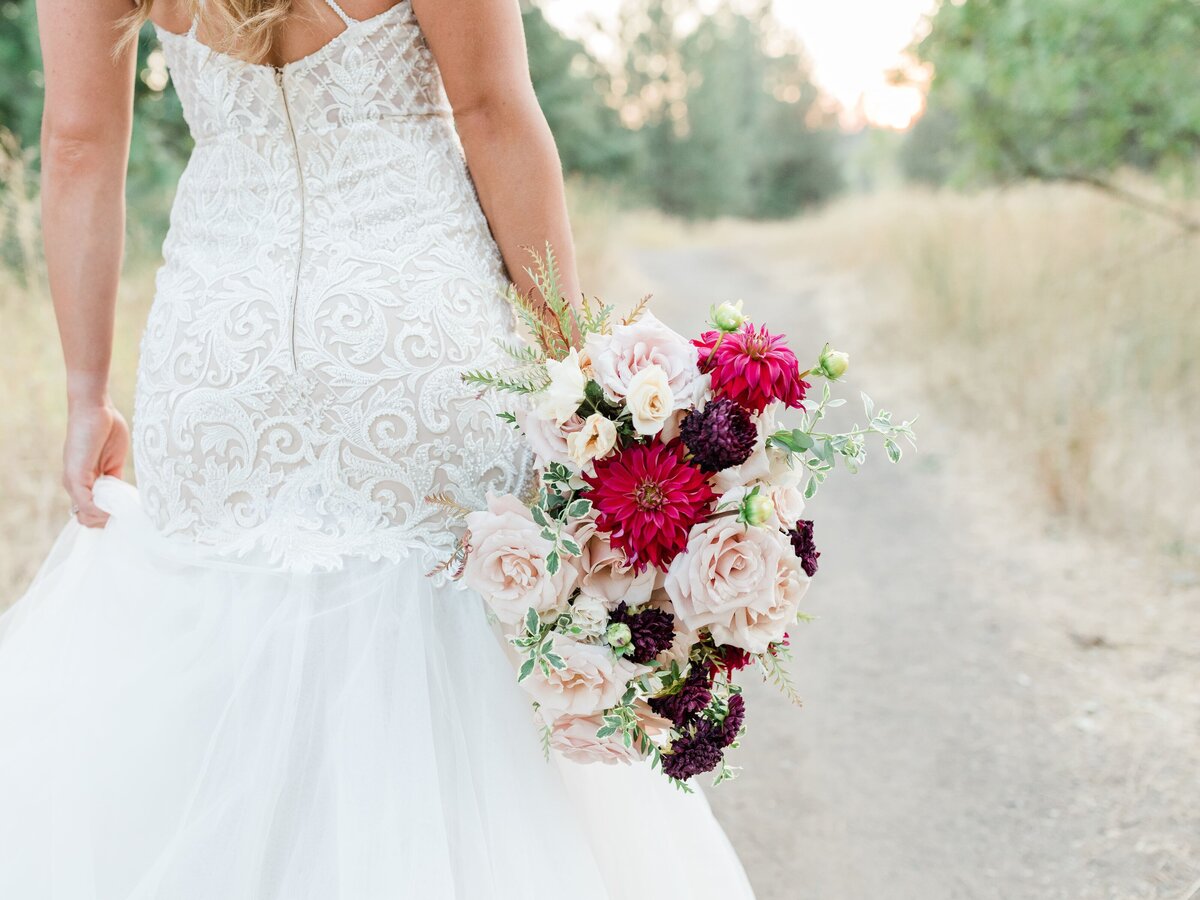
x=341, y=13
x=191, y=32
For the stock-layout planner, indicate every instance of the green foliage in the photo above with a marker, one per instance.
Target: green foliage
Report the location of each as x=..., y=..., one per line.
x=569, y=84
x=820, y=451
x=932, y=151
x=1067, y=89
x=160, y=137
x=700, y=115
x=722, y=113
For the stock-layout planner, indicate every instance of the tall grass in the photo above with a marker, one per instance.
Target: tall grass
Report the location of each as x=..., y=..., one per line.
x=1061, y=325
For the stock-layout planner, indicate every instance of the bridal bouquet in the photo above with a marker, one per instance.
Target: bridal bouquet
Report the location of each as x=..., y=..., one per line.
x=666, y=547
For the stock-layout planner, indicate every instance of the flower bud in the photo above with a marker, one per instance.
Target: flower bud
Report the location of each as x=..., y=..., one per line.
x=834, y=363
x=757, y=508
x=728, y=317
x=618, y=636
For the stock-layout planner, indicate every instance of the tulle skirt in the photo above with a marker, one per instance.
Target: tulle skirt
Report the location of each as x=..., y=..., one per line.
x=177, y=726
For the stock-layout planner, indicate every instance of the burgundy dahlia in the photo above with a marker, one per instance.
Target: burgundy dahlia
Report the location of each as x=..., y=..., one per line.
x=648, y=497
x=733, y=720
x=696, y=751
x=686, y=703
x=653, y=631
x=752, y=367
x=802, y=543
x=719, y=436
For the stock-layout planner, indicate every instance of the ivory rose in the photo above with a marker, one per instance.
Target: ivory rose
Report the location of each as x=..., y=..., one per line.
x=591, y=680
x=561, y=399
x=594, y=439
x=617, y=357
x=507, y=562
x=549, y=440
x=590, y=614
x=787, y=503
x=606, y=575
x=766, y=465
x=575, y=738
x=649, y=400
x=744, y=584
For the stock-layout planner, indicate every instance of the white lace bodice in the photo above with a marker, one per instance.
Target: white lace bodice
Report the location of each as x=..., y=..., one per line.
x=327, y=276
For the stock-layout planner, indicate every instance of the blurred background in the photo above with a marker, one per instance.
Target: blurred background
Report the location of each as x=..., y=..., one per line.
x=991, y=204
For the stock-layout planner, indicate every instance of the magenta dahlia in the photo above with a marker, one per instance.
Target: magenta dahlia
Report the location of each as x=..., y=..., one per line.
x=752, y=367
x=648, y=497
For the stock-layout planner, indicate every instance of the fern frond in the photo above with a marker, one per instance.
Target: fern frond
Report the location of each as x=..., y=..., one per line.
x=597, y=316
x=775, y=671
x=543, y=333
x=547, y=280
x=447, y=502
x=517, y=382
x=457, y=559
x=638, y=310
x=522, y=353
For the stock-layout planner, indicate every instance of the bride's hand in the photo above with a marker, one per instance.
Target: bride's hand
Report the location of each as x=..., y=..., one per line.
x=97, y=444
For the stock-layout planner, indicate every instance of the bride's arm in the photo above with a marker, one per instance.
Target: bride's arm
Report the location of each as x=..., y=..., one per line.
x=480, y=48
x=85, y=149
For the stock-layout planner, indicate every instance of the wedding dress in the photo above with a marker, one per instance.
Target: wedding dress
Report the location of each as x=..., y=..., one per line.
x=246, y=687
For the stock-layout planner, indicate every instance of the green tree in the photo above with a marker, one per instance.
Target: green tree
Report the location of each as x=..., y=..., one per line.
x=1069, y=89
x=725, y=122
x=161, y=142
x=569, y=84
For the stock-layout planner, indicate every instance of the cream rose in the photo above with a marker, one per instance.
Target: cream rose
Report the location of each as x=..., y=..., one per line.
x=743, y=584
x=507, y=562
x=561, y=399
x=549, y=440
x=606, y=575
x=787, y=502
x=575, y=738
x=594, y=440
x=590, y=614
x=617, y=357
x=591, y=680
x=649, y=400
x=767, y=465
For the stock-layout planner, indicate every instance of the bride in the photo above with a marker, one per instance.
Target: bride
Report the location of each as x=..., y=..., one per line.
x=237, y=681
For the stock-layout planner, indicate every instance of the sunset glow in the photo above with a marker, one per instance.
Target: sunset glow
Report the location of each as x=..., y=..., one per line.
x=853, y=45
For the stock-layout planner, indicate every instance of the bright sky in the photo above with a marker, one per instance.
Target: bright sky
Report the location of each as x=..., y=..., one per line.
x=853, y=44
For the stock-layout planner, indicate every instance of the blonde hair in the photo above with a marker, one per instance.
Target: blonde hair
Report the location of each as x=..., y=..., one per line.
x=246, y=29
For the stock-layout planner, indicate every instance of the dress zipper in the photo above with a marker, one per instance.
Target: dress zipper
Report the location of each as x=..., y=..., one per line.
x=287, y=113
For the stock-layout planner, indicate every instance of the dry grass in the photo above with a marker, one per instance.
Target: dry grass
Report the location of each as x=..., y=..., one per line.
x=1058, y=324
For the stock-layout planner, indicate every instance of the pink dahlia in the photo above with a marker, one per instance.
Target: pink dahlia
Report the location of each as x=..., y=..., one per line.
x=648, y=497
x=752, y=367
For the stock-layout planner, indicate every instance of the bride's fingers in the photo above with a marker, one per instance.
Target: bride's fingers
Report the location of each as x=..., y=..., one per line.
x=79, y=489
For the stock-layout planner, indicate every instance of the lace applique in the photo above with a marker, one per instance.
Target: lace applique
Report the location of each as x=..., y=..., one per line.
x=327, y=276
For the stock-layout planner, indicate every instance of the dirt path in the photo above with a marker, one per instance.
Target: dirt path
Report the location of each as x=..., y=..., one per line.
x=948, y=748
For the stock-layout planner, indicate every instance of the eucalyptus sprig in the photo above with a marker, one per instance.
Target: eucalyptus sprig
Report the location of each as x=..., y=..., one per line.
x=536, y=643
x=820, y=451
